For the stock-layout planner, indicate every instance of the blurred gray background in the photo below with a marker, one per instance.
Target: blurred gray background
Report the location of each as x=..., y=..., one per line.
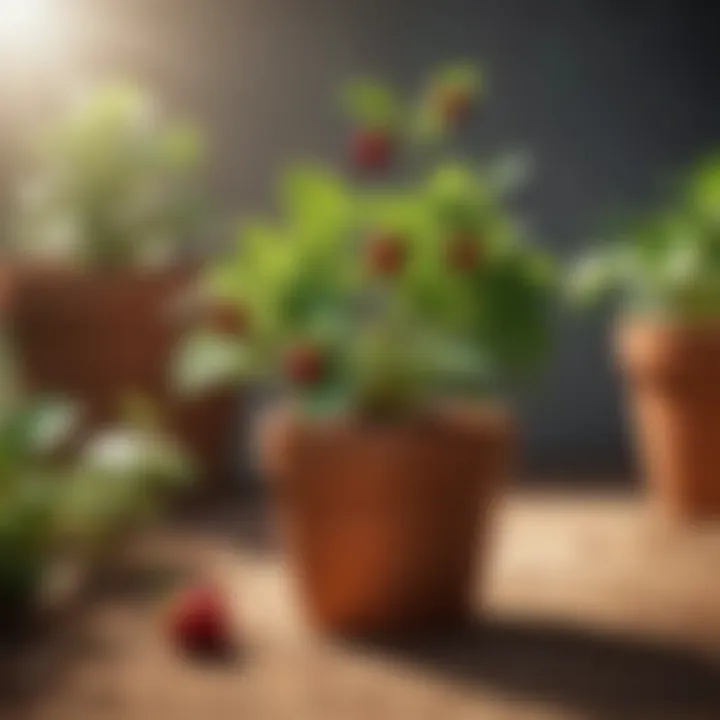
x=612, y=97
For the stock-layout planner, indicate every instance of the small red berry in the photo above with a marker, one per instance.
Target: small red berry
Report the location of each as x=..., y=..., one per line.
x=200, y=621
x=386, y=254
x=455, y=104
x=463, y=252
x=229, y=318
x=304, y=364
x=371, y=149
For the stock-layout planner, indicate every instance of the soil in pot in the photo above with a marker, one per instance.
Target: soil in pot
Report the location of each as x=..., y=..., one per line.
x=96, y=337
x=673, y=376
x=386, y=525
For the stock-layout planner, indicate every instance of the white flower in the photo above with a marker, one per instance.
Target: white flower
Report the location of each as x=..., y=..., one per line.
x=117, y=451
x=131, y=453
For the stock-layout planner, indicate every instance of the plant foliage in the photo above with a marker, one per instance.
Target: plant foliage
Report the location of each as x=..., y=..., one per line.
x=111, y=185
x=378, y=298
x=50, y=503
x=666, y=263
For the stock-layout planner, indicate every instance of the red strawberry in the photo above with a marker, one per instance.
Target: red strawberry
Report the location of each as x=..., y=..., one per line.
x=455, y=104
x=200, y=621
x=386, y=254
x=229, y=318
x=371, y=149
x=304, y=364
x=462, y=252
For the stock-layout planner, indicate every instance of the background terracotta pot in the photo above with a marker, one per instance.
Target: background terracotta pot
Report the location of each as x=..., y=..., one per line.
x=673, y=375
x=384, y=523
x=95, y=337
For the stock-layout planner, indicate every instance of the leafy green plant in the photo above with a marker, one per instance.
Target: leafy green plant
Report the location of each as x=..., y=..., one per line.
x=668, y=263
x=28, y=495
x=120, y=481
x=379, y=298
x=49, y=503
x=111, y=185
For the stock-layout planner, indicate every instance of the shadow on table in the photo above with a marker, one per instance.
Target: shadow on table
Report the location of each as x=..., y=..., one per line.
x=601, y=676
x=33, y=667
x=98, y=629
x=35, y=660
x=244, y=521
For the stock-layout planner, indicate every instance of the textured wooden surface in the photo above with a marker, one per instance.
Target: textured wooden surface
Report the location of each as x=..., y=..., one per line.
x=593, y=610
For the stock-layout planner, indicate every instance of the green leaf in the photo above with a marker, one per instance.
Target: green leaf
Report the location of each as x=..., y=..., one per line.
x=704, y=190
x=591, y=278
x=461, y=197
x=466, y=75
x=452, y=362
x=316, y=201
x=371, y=103
x=428, y=125
x=35, y=429
x=127, y=452
x=53, y=423
x=208, y=360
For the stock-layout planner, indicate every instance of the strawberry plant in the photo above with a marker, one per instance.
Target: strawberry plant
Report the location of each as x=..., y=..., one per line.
x=111, y=185
x=378, y=298
x=667, y=263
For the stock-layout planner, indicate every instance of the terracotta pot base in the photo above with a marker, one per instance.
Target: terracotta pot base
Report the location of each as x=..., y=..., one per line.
x=384, y=524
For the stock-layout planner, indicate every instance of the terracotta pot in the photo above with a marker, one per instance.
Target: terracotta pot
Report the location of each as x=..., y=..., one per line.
x=95, y=337
x=384, y=524
x=673, y=375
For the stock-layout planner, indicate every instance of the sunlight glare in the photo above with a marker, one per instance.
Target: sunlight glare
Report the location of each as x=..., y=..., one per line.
x=24, y=24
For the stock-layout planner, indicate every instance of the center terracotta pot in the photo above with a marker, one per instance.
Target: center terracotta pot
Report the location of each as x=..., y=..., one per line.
x=673, y=375
x=94, y=337
x=386, y=525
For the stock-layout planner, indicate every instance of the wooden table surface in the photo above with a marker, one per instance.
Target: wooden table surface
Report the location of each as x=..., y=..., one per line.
x=593, y=609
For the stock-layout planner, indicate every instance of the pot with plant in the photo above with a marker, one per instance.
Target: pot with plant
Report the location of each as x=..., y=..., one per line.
x=388, y=317
x=667, y=270
x=98, y=275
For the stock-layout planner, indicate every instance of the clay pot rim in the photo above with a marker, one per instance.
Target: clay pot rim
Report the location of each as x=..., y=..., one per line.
x=16, y=279
x=667, y=325
x=652, y=346
x=22, y=270
x=487, y=415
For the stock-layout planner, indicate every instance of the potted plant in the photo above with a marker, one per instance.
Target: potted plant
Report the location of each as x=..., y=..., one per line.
x=97, y=266
x=667, y=270
x=389, y=317
x=53, y=511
